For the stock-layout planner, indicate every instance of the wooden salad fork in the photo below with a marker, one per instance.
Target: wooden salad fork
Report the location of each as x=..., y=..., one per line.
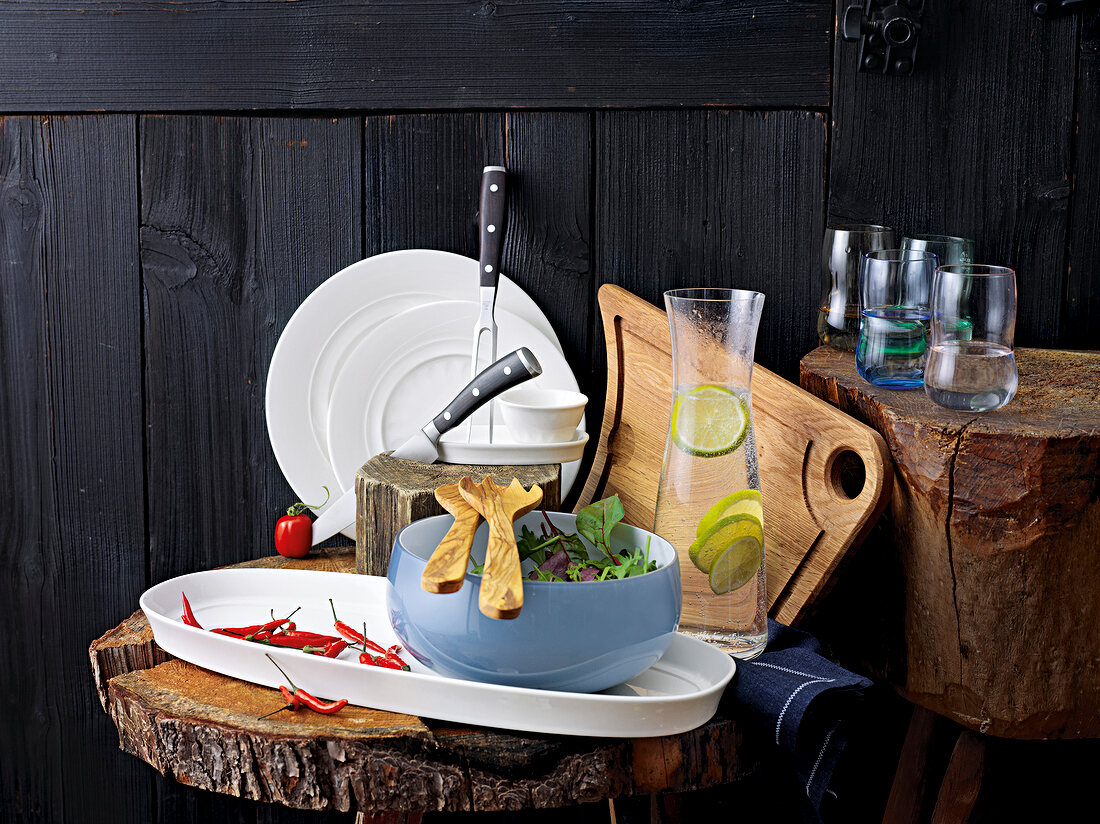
x=446, y=569
x=501, y=593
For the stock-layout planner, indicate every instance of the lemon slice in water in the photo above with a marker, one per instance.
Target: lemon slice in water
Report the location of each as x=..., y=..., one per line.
x=709, y=421
x=720, y=537
x=745, y=501
x=737, y=565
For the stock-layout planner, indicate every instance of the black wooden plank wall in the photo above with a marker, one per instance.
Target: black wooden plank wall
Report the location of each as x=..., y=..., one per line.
x=151, y=256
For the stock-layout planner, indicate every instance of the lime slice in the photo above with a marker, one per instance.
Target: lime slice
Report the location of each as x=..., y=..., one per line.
x=746, y=501
x=721, y=536
x=709, y=421
x=736, y=566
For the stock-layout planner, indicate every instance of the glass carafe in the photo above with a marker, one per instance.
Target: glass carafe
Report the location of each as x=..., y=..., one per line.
x=708, y=501
x=838, y=314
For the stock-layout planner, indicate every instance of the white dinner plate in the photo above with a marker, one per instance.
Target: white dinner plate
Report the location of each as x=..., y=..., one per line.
x=409, y=368
x=329, y=324
x=678, y=693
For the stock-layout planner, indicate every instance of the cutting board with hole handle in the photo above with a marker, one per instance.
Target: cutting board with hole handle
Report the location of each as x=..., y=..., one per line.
x=810, y=456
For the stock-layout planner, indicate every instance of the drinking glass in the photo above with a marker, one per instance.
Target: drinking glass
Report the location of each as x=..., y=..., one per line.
x=894, y=286
x=947, y=249
x=971, y=365
x=708, y=499
x=838, y=315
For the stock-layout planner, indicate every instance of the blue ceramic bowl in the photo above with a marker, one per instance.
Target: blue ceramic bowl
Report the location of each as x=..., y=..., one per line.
x=580, y=637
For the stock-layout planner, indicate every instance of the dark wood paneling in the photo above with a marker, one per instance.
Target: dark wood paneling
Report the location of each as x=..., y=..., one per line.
x=72, y=553
x=414, y=54
x=241, y=218
x=423, y=178
x=716, y=198
x=976, y=143
x=1081, y=307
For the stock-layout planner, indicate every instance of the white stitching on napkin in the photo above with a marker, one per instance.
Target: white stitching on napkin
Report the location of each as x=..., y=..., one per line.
x=779, y=721
x=820, y=755
x=791, y=671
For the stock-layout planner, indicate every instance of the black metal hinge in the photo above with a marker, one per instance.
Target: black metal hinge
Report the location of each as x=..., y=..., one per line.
x=887, y=31
x=1048, y=9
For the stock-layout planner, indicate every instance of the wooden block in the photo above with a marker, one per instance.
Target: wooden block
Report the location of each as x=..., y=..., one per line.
x=996, y=522
x=391, y=493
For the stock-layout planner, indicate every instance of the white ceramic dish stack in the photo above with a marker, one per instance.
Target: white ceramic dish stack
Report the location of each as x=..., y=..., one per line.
x=372, y=352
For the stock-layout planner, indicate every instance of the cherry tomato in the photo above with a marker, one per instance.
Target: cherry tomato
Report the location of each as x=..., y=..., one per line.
x=294, y=535
x=294, y=531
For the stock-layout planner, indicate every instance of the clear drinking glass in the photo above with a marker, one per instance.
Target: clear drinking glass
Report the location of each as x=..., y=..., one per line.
x=838, y=315
x=946, y=248
x=708, y=501
x=971, y=365
x=894, y=287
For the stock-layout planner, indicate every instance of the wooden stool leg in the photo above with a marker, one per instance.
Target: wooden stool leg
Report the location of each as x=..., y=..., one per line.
x=962, y=781
x=907, y=791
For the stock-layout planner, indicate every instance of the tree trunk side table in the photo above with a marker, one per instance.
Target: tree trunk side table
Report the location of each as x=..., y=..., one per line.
x=203, y=730
x=996, y=521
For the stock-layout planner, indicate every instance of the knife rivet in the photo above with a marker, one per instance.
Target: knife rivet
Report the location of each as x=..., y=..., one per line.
x=476, y=391
x=489, y=267
x=490, y=228
x=446, y=416
x=507, y=370
x=493, y=187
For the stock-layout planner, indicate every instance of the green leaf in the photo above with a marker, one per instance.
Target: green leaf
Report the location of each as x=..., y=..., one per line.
x=596, y=521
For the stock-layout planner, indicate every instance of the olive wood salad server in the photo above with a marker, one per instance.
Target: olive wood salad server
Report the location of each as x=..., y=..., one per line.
x=501, y=594
x=446, y=569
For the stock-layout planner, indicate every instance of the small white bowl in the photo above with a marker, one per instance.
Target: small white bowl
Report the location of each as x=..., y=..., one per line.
x=542, y=415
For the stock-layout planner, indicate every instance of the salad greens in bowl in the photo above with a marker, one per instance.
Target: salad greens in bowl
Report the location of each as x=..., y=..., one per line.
x=601, y=603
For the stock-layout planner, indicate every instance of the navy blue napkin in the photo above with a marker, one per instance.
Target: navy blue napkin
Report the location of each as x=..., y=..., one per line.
x=803, y=702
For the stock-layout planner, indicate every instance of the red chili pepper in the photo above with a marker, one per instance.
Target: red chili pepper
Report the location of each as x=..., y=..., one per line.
x=315, y=704
x=394, y=650
x=188, y=616
x=298, y=641
x=291, y=704
x=221, y=631
x=291, y=701
x=335, y=648
x=241, y=631
x=365, y=658
x=389, y=656
x=388, y=663
x=271, y=626
x=294, y=531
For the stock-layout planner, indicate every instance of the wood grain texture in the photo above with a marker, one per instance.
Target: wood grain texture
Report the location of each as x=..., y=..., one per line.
x=995, y=519
x=962, y=782
x=716, y=198
x=446, y=569
x=416, y=54
x=70, y=450
x=1081, y=303
x=241, y=219
x=799, y=440
x=202, y=729
x=391, y=493
x=975, y=143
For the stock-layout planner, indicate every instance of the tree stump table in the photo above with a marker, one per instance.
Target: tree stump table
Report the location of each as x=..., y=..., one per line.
x=203, y=730
x=996, y=523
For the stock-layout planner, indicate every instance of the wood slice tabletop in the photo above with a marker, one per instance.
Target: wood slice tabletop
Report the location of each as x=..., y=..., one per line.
x=996, y=521
x=203, y=729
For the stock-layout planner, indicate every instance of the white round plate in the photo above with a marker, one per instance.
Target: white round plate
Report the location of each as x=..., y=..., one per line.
x=404, y=373
x=331, y=322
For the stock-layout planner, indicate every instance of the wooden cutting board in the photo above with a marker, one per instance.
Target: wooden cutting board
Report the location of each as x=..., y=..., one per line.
x=811, y=456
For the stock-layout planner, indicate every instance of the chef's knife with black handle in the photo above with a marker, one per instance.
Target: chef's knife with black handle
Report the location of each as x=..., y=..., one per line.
x=511, y=370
